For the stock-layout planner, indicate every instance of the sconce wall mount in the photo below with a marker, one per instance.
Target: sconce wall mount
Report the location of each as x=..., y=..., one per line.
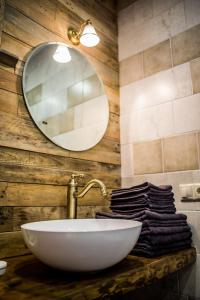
x=87, y=35
x=73, y=36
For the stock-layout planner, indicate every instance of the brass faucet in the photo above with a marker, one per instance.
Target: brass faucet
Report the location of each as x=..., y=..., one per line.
x=73, y=195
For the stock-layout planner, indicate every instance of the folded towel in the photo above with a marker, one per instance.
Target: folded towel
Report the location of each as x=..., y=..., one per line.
x=163, y=230
x=143, y=216
x=155, y=252
x=147, y=246
x=141, y=199
x=151, y=230
x=164, y=223
x=156, y=216
x=138, y=198
x=113, y=215
x=143, y=186
x=161, y=206
x=133, y=194
x=135, y=210
x=139, y=187
x=129, y=211
x=160, y=239
x=161, y=201
x=158, y=195
x=129, y=206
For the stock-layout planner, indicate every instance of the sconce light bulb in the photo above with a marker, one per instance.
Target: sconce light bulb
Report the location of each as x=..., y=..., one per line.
x=89, y=37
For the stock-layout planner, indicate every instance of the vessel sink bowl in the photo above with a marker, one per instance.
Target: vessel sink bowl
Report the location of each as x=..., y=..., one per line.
x=82, y=244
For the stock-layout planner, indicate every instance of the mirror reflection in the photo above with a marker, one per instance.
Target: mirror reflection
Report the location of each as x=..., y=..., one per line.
x=65, y=96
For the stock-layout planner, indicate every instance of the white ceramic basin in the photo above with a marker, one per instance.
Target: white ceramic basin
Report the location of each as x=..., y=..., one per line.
x=82, y=244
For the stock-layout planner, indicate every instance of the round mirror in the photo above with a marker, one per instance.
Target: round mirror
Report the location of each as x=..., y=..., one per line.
x=65, y=96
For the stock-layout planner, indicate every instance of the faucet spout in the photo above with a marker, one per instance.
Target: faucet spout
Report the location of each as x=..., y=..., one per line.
x=73, y=194
x=89, y=185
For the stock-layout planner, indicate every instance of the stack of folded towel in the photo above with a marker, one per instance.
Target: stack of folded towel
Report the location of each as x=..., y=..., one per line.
x=144, y=196
x=163, y=230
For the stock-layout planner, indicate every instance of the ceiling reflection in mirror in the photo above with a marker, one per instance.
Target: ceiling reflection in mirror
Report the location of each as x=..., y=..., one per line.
x=65, y=96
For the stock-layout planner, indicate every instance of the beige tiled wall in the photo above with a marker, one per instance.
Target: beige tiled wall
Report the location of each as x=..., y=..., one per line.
x=159, y=54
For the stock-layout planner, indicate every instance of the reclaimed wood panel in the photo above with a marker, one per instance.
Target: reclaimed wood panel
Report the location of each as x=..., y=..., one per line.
x=105, y=20
x=10, y=82
x=89, y=211
x=9, y=102
x=108, y=4
x=13, y=156
x=2, y=7
x=22, y=215
x=33, y=171
x=86, y=166
x=113, y=130
x=6, y=219
x=22, y=194
x=12, y=244
x=34, y=174
x=104, y=51
x=15, y=46
x=19, y=133
x=106, y=151
x=22, y=166
x=113, y=96
x=33, y=33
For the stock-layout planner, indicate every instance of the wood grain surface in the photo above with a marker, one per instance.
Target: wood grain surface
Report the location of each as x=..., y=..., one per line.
x=33, y=171
x=27, y=278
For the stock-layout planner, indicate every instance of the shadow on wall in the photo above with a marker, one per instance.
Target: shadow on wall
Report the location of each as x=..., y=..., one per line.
x=190, y=280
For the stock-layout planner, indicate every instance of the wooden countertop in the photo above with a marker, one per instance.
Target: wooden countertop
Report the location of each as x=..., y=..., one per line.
x=27, y=278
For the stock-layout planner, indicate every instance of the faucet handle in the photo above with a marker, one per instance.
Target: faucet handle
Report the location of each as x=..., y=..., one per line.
x=73, y=176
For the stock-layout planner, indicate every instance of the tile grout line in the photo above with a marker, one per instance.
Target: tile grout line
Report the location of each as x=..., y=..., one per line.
x=171, y=52
x=162, y=155
x=197, y=145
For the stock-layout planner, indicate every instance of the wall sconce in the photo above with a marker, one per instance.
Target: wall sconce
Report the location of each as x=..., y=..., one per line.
x=87, y=35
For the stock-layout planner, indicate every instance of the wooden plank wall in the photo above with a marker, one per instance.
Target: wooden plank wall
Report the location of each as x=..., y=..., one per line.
x=33, y=171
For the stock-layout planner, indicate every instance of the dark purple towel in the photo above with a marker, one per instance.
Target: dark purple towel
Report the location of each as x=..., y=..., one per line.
x=161, y=201
x=133, y=194
x=140, y=209
x=139, y=187
x=164, y=223
x=156, y=240
x=142, y=197
x=129, y=211
x=128, y=206
x=151, y=230
x=149, y=215
x=147, y=246
x=146, y=188
x=154, y=253
x=112, y=215
x=146, y=185
x=129, y=193
x=161, y=206
x=144, y=215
